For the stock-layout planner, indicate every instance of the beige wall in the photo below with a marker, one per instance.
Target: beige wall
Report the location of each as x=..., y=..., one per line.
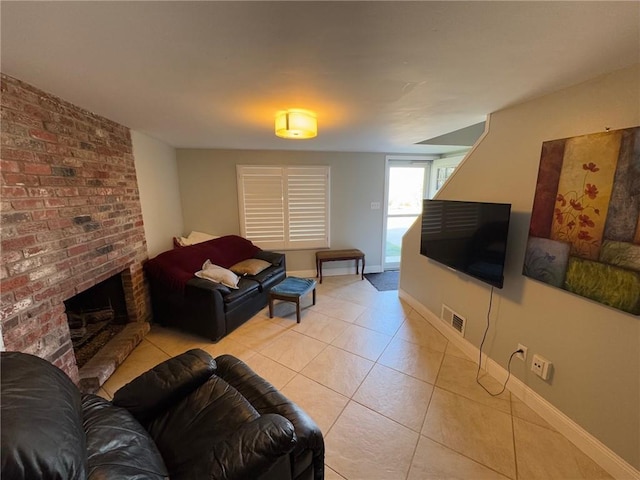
x=594, y=349
x=157, y=174
x=210, y=198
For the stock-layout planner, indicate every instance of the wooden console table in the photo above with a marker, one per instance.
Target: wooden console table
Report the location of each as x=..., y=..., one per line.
x=335, y=255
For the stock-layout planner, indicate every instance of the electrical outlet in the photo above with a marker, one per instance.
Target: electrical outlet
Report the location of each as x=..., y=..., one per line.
x=522, y=355
x=541, y=366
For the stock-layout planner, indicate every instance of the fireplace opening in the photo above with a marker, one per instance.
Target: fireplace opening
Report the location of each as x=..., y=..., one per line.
x=95, y=316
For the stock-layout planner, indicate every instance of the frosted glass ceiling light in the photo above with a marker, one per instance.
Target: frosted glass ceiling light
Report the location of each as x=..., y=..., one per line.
x=296, y=123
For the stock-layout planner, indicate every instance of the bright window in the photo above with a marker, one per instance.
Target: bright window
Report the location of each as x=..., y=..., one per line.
x=284, y=207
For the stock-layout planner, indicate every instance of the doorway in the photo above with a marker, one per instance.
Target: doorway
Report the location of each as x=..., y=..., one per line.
x=407, y=180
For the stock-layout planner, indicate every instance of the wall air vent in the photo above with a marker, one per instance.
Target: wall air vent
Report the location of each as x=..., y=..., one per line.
x=456, y=321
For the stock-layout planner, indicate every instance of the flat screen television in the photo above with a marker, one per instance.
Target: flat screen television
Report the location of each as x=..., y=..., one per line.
x=469, y=237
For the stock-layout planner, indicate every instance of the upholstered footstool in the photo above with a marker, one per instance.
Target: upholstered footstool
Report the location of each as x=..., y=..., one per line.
x=291, y=289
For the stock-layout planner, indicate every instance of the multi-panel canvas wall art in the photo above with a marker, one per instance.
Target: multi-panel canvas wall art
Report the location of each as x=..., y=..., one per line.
x=584, y=235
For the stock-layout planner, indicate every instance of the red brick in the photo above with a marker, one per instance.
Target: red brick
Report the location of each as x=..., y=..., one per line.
x=32, y=227
x=19, y=117
x=44, y=214
x=16, y=141
x=42, y=272
x=15, y=217
x=9, y=256
x=37, y=168
x=13, y=128
x=58, y=149
x=43, y=135
x=20, y=179
x=13, y=192
x=39, y=250
x=41, y=192
x=12, y=283
x=66, y=192
x=55, y=202
x=10, y=101
x=57, y=223
x=9, y=166
x=27, y=204
x=20, y=155
x=77, y=250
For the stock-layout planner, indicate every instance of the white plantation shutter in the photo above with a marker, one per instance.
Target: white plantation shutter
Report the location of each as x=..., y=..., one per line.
x=284, y=207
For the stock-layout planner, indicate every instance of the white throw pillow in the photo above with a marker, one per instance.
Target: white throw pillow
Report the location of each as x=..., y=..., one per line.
x=195, y=237
x=218, y=274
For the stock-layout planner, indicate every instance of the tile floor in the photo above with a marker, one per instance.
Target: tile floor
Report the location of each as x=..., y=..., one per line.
x=394, y=399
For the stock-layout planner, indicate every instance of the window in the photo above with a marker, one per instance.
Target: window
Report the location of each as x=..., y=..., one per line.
x=284, y=207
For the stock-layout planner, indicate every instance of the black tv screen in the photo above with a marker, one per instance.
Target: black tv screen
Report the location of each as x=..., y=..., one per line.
x=470, y=237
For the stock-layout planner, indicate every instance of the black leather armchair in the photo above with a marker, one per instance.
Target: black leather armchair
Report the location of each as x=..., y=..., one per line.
x=191, y=417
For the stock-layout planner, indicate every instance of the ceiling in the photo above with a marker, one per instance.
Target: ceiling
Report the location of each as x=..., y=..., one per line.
x=382, y=76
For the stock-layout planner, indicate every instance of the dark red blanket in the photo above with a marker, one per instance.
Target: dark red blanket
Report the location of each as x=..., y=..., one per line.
x=176, y=267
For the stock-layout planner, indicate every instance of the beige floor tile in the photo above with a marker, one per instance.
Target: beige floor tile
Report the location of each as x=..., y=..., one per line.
x=276, y=374
x=412, y=359
x=520, y=410
x=544, y=454
x=340, y=309
x=174, y=342
x=293, y=350
x=321, y=403
x=321, y=327
x=372, y=441
x=144, y=357
x=392, y=304
x=395, y=395
x=416, y=329
x=362, y=341
x=226, y=346
x=387, y=322
x=455, y=351
x=359, y=295
x=365, y=445
x=339, y=370
x=475, y=430
x=257, y=333
x=341, y=280
x=459, y=376
x=331, y=475
x=435, y=461
x=326, y=289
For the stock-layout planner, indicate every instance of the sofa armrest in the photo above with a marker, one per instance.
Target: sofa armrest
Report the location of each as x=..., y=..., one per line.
x=252, y=449
x=156, y=390
x=274, y=258
x=266, y=399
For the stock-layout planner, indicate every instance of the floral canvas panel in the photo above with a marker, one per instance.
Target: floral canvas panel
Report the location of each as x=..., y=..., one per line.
x=584, y=235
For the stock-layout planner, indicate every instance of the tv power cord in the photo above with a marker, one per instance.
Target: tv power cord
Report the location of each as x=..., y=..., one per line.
x=480, y=359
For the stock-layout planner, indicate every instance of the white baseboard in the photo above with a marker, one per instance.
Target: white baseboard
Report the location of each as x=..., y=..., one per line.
x=591, y=446
x=333, y=272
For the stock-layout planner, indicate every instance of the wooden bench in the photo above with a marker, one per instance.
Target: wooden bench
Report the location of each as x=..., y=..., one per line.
x=335, y=255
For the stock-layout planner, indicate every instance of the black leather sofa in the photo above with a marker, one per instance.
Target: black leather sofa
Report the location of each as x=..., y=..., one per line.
x=180, y=299
x=191, y=417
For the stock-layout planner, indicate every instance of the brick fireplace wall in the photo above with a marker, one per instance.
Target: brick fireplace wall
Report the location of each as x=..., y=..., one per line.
x=71, y=217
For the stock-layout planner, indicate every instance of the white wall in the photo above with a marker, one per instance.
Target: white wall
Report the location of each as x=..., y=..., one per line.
x=157, y=174
x=210, y=198
x=594, y=349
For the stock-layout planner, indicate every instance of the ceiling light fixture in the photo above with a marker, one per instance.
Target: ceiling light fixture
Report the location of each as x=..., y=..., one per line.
x=296, y=123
